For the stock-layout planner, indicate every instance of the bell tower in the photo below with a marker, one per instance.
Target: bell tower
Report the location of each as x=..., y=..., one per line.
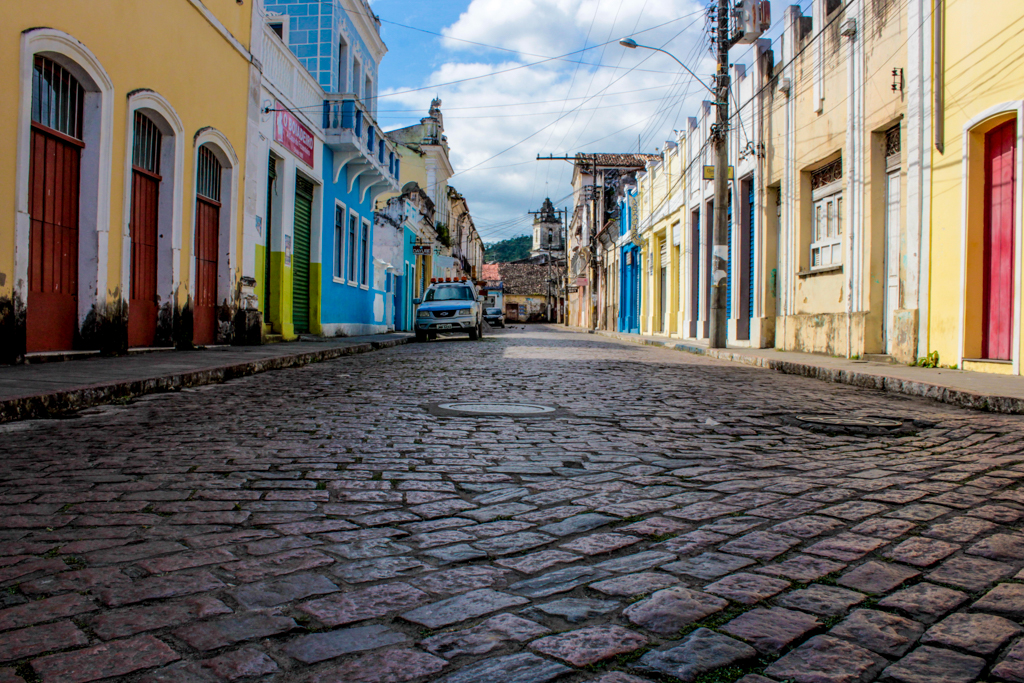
x=547, y=232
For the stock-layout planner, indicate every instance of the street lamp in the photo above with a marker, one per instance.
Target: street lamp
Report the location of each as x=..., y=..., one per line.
x=632, y=45
x=718, y=334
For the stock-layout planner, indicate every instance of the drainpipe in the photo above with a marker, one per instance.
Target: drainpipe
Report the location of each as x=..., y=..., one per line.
x=853, y=131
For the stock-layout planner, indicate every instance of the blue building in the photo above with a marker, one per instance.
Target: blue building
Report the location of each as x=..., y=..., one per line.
x=338, y=41
x=630, y=265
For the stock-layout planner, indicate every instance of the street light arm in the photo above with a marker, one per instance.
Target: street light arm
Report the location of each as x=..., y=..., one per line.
x=632, y=45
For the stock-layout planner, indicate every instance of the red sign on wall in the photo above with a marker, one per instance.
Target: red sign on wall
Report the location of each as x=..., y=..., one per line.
x=290, y=132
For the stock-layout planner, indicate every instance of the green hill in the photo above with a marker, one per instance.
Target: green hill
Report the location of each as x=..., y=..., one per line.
x=512, y=249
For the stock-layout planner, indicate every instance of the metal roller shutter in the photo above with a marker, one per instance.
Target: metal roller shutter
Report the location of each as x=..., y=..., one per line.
x=300, y=256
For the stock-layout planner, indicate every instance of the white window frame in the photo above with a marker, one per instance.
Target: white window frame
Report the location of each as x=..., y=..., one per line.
x=352, y=249
x=344, y=62
x=338, y=268
x=357, y=76
x=282, y=20
x=364, y=247
x=826, y=248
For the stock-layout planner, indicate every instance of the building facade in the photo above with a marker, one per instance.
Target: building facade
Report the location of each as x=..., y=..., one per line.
x=837, y=117
x=339, y=44
x=124, y=186
x=596, y=179
x=280, y=257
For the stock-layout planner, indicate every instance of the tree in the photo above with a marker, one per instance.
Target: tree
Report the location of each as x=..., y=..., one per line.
x=512, y=249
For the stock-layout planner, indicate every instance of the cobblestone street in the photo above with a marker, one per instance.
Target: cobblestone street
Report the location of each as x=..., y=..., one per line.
x=672, y=521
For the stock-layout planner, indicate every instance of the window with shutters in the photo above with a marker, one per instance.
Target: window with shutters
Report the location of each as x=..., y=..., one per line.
x=364, y=251
x=339, y=243
x=827, y=216
x=353, y=222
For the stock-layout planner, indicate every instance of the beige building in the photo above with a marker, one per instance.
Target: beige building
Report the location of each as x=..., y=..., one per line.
x=836, y=186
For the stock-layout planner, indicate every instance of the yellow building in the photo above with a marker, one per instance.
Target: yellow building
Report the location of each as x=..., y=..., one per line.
x=123, y=131
x=661, y=204
x=973, y=307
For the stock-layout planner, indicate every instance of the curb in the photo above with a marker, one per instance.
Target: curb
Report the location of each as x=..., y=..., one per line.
x=1008, y=405
x=54, y=403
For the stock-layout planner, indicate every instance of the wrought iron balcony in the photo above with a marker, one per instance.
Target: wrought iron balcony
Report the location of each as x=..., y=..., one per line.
x=357, y=141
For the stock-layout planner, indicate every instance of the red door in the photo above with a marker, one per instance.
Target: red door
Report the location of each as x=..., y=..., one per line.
x=142, y=305
x=52, y=313
x=208, y=179
x=207, y=229
x=1000, y=182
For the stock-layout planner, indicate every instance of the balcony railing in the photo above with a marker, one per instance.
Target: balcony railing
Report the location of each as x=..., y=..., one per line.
x=348, y=124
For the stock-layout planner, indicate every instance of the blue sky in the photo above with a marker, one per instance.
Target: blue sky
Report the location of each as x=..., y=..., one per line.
x=558, y=106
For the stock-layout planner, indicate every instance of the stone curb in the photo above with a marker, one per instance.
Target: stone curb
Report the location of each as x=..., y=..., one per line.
x=53, y=403
x=894, y=385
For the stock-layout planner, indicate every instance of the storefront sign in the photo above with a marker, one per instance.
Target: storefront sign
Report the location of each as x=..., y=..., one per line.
x=421, y=249
x=709, y=172
x=295, y=137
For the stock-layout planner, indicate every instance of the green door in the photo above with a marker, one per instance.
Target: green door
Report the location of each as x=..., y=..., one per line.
x=300, y=256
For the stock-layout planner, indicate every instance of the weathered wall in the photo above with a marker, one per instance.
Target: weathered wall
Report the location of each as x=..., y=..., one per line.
x=137, y=52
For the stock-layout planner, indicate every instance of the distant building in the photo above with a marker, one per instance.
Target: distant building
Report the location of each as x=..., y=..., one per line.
x=527, y=290
x=547, y=233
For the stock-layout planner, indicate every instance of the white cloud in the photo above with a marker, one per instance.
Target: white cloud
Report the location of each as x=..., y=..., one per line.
x=643, y=101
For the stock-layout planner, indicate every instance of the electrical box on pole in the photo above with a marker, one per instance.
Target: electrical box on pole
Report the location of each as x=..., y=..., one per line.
x=751, y=18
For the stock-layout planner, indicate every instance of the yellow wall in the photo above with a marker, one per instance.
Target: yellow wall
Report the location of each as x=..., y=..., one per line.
x=162, y=45
x=984, y=70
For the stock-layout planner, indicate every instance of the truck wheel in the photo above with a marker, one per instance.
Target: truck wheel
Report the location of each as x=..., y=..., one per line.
x=421, y=337
x=474, y=333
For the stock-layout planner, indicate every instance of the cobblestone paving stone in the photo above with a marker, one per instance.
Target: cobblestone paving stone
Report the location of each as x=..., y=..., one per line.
x=672, y=523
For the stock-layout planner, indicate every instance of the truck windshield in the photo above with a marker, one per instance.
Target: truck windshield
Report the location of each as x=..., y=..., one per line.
x=460, y=293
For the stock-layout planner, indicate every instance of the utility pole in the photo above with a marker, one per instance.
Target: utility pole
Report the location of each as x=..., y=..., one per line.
x=720, y=251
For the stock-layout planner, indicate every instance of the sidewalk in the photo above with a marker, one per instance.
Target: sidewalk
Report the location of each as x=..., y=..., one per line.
x=33, y=391
x=977, y=390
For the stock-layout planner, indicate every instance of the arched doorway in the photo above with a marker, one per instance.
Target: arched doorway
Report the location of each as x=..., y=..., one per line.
x=57, y=142
x=998, y=257
x=207, y=245
x=143, y=303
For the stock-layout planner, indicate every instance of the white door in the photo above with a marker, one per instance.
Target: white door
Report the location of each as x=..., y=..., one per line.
x=892, y=256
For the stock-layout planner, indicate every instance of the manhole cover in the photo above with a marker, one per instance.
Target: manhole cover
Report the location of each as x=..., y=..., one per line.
x=497, y=408
x=494, y=408
x=839, y=421
x=855, y=425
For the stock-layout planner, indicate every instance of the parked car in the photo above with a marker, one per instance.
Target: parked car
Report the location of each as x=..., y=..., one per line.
x=494, y=317
x=449, y=307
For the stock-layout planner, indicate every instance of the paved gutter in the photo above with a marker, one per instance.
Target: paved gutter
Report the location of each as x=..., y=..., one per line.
x=979, y=391
x=39, y=391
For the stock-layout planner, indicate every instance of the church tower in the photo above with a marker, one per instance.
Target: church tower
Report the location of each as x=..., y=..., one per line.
x=547, y=232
